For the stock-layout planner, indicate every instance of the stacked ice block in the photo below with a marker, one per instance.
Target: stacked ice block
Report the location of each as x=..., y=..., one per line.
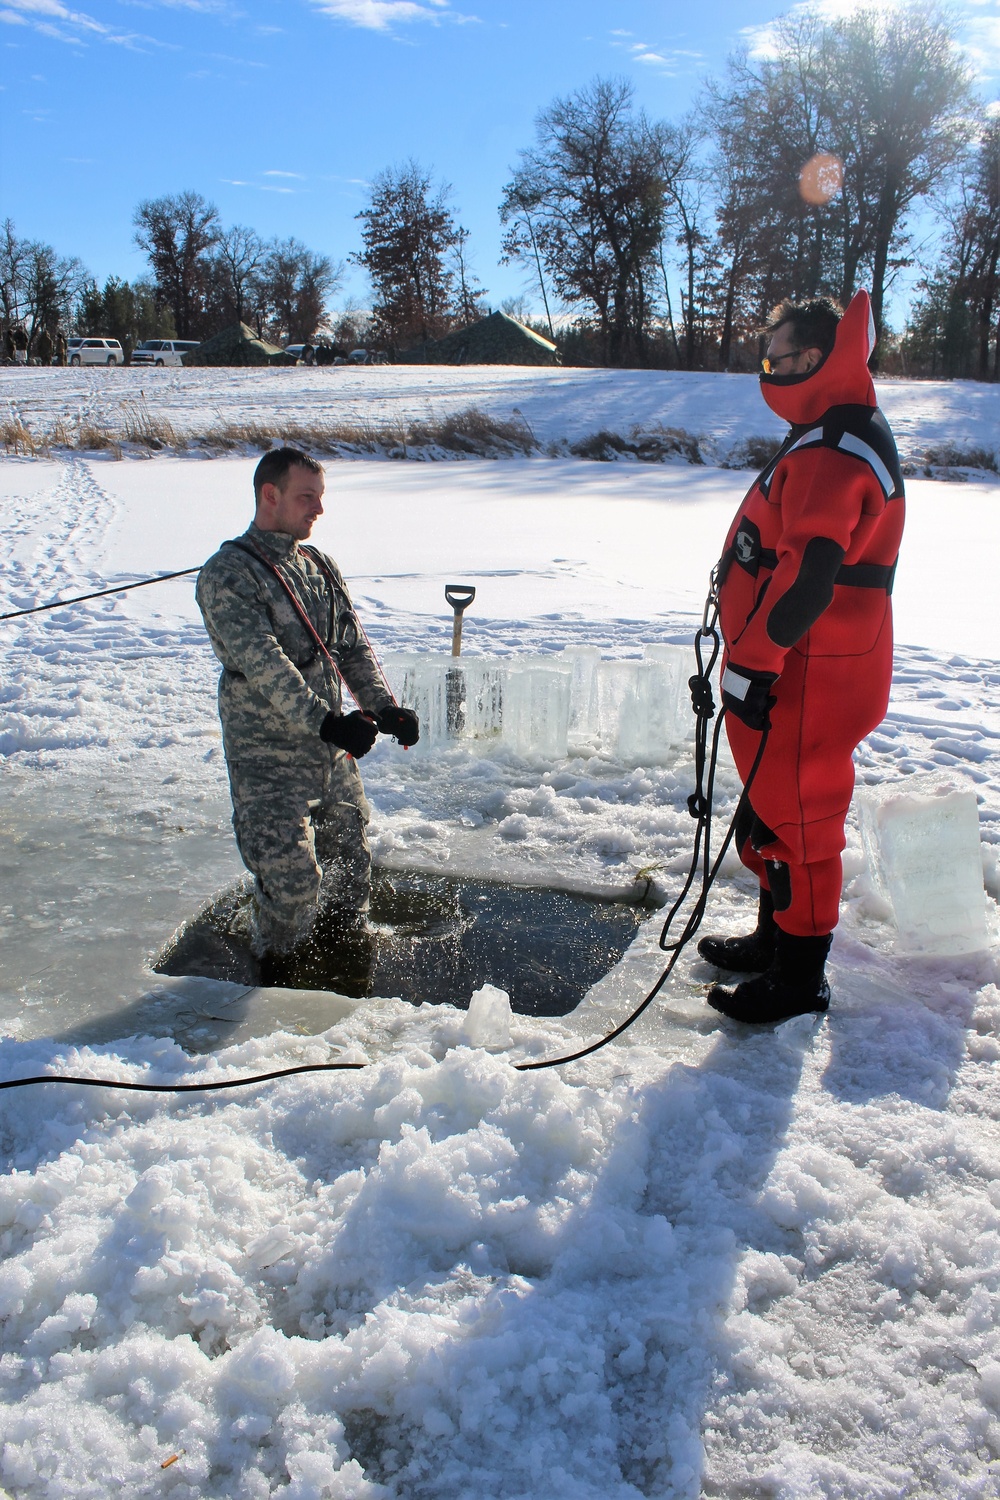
x=637, y=712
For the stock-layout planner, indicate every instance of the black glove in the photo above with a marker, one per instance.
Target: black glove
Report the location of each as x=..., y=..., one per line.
x=401, y=723
x=748, y=695
x=354, y=732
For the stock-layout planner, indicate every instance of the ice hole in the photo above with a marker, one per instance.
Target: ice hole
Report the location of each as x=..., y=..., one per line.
x=428, y=937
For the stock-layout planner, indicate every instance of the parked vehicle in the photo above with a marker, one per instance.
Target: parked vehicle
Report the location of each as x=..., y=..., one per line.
x=95, y=352
x=162, y=351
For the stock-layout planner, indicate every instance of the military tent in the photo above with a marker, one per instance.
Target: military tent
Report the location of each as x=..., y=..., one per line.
x=238, y=345
x=496, y=340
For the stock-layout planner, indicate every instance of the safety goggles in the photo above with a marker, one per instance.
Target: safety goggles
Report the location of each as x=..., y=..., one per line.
x=770, y=366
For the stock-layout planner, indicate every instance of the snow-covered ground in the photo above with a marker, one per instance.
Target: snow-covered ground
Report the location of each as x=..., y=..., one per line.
x=560, y=406
x=702, y=1261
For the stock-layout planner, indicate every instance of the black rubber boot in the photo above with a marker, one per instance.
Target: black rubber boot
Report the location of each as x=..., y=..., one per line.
x=751, y=954
x=794, y=985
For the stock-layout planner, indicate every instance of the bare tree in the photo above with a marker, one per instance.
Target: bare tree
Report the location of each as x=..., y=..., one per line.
x=177, y=232
x=232, y=275
x=38, y=288
x=292, y=286
x=468, y=292
x=885, y=91
x=587, y=201
x=901, y=120
x=954, y=329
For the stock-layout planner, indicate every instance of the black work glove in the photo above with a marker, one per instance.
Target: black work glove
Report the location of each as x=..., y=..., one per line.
x=401, y=723
x=748, y=696
x=354, y=732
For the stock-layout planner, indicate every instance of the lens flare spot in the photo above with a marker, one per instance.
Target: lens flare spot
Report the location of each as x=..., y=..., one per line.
x=821, y=179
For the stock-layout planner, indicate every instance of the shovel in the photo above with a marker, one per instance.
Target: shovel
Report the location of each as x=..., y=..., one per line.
x=459, y=596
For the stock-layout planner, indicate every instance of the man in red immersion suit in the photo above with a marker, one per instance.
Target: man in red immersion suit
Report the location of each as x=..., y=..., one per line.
x=806, y=616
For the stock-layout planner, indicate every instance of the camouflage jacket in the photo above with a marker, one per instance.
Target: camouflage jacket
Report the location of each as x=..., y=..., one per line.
x=276, y=686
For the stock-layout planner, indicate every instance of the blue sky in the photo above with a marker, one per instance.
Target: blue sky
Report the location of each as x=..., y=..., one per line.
x=280, y=111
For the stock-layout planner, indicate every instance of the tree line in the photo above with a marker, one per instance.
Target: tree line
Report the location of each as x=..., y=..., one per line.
x=809, y=168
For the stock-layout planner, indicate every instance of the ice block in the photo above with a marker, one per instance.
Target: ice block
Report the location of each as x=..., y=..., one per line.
x=921, y=838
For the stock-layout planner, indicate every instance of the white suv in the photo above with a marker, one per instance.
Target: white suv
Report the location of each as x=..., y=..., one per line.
x=95, y=352
x=162, y=351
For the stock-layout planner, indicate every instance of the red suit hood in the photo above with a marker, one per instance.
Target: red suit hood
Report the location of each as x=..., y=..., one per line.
x=841, y=379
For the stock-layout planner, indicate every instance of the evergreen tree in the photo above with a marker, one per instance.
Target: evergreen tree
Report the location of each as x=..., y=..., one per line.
x=128, y=313
x=409, y=238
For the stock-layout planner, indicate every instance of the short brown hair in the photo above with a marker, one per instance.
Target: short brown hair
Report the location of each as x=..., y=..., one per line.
x=814, y=323
x=274, y=466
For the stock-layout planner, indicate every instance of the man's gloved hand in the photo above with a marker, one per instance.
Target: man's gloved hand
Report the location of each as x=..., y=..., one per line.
x=401, y=723
x=748, y=695
x=354, y=732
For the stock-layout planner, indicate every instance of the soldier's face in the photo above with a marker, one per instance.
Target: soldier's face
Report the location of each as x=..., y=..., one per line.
x=295, y=507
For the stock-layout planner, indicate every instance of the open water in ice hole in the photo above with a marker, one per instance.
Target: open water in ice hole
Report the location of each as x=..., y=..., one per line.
x=428, y=938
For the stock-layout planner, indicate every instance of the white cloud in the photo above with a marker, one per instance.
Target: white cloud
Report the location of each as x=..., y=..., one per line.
x=982, y=43
x=383, y=15
x=203, y=7
x=272, y=172
x=52, y=19
x=260, y=187
x=669, y=60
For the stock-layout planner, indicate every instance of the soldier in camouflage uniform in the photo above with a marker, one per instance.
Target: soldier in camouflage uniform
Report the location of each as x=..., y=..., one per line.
x=282, y=624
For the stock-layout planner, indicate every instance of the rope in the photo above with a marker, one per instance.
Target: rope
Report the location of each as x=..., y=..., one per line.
x=16, y=614
x=179, y=1088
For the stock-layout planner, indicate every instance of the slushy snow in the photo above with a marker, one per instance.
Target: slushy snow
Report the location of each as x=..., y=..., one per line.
x=703, y=1261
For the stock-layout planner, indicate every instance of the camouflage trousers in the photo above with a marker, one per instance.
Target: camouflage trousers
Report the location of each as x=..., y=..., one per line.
x=301, y=834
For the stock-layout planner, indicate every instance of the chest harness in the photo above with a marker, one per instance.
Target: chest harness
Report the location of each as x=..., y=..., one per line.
x=860, y=431
x=343, y=619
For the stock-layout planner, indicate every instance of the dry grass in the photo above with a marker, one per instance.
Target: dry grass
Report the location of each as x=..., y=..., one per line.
x=94, y=436
x=138, y=425
x=475, y=432
x=19, y=439
x=471, y=432
x=650, y=445
x=951, y=456
x=752, y=453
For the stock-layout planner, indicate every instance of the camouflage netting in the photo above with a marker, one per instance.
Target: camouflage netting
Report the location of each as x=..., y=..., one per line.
x=238, y=345
x=496, y=340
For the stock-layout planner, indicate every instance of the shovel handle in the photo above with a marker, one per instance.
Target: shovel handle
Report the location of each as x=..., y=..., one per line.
x=459, y=595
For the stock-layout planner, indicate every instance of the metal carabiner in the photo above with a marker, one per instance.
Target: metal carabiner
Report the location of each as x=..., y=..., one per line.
x=710, y=615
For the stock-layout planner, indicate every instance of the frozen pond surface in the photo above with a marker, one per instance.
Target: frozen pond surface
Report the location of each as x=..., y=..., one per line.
x=698, y=1262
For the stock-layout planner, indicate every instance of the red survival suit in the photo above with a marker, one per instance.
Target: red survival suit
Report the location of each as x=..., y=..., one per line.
x=804, y=593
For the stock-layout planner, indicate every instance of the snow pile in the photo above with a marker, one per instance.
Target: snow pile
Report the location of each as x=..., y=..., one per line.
x=442, y=1277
